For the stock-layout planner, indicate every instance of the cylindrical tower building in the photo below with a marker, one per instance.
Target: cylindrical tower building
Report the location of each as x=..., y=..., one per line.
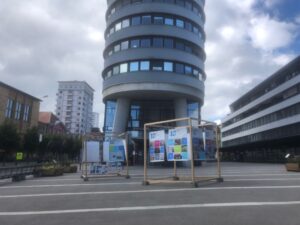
x=153, y=62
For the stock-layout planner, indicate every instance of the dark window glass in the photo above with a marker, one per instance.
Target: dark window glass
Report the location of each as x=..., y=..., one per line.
x=168, y=43
x=146, y=43
x=157, y=42
x=179, y=45
x=158, y=20
x=188, y=26
x=157, y=65
x=188, y=49
x=135, y=43
x=146, y=20
x=195, y=30
x=136, y=20
x=179, y=68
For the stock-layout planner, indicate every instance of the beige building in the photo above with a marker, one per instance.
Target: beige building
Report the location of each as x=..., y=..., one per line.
x=18, y=107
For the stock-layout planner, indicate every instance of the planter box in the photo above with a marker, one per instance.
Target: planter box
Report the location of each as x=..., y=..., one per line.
x=292, y=167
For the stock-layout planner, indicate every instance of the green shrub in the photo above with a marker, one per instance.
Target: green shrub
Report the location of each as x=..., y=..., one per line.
x=295, y=159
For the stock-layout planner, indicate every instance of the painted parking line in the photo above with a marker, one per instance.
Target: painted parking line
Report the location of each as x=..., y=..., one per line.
x=148, y=191
x=147, y=208
x=265, y=179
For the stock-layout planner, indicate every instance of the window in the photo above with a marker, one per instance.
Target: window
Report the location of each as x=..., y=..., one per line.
x=196, y=73
x=168, y=66
x=169, y=21
x=179, y=45
x=26, y=113
x=134, y=66
x=135, y=43
x=18, y=110
x=157, y=66
x=179, y=23
x=179, y=68
x=168, y=43
x=136, y=20
x=146, y=20
x=124, y=68
x=157, y=42
x=188, y=70
x=116, y=70
x=125, y=23
x=188, y=26
x=117, y=48
x=124, y=45
x=146, y=43
x=118, y=26
x=9, y=107
x=188, y=49
x=145, y=65
x=158, y=20
x=195, y=30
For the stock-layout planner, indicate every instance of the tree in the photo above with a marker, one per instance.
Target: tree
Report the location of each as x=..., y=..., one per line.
x=9, y=137
x=31, y=141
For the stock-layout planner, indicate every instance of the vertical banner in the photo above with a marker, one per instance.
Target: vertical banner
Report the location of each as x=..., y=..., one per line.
x=114, y=150
x=178, y=146
x=198, y=144
x=210, y=144
x=157, y=146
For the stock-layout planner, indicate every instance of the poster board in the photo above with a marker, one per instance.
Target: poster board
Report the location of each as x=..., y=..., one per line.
x=178, y=146
x=210, y=144
x=198, y=144
x=92, y=149
x=157, y=146
x=114, y=150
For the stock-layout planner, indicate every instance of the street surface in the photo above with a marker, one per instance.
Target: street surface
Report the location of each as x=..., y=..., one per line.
x=251, y=194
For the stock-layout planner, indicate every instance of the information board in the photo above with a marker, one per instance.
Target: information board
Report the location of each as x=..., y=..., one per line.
x=114, y=150
x=178, y=147
x=157, y=146
x=210, y=144
x=198, y=144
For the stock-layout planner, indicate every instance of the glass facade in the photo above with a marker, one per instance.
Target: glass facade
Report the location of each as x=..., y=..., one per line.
x=142, y=112
x=110, y=111
x=193, y=110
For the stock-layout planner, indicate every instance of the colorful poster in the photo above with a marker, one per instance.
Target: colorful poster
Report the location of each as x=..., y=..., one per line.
x=157, y=146
x=198, y=144
x=210, y=144
x=114, y=151
x=178, y=147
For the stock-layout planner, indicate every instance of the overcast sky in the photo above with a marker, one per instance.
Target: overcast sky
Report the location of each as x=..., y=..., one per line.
x=45, y=41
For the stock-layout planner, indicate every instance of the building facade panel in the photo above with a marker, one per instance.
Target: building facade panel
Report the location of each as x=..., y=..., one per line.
x=154, y=63
x=263, y=117
x=18, y=108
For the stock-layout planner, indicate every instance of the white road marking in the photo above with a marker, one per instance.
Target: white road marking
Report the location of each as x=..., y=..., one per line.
x=148, y=191
x=264, y=179
x=145, y=208
x=68, y=185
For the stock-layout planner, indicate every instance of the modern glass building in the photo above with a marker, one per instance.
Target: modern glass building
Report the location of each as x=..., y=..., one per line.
x=264, y=123
x=154, y=62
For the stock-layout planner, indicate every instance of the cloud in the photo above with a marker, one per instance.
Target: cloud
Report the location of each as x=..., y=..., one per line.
x=45, y=41
x=268, y=34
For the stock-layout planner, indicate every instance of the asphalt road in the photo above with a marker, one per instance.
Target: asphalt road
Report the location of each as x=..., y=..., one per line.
x=251, y=194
